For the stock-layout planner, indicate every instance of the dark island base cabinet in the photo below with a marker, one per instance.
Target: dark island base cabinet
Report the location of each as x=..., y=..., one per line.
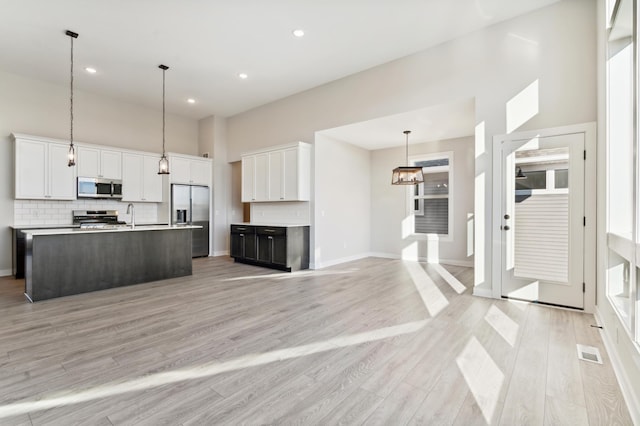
x=278, y=247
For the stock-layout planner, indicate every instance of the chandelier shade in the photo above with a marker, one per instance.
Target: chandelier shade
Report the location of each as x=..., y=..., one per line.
x=407, y=175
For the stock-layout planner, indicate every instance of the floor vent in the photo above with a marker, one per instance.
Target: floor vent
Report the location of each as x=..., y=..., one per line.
x=589, y=353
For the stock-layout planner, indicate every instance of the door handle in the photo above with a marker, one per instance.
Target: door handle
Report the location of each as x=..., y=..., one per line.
x=506, y=227
x=506, y=216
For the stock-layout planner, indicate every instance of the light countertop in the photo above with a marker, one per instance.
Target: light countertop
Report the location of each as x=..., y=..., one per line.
x=52, y=226
x=138, y=228
x=280, y=225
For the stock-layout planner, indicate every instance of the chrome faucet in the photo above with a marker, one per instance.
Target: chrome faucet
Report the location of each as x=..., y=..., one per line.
x=130, y=209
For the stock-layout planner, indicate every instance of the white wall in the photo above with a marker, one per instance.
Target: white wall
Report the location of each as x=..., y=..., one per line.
x=553, y=48
x=342, y=202
x=41, y=108
x=390, y=233
x=212, y=139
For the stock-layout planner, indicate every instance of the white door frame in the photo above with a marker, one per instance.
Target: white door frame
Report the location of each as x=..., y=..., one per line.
x=589, y=130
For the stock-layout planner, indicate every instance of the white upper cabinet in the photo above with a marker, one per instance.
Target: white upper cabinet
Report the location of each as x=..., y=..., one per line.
x=99, y=163
x=189, y=170
x=248, y=178
x=278, y=174
x=41, y=170
x=276, y=181
x=140, y=179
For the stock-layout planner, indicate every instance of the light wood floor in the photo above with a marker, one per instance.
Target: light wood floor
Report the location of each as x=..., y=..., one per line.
x=373, y=341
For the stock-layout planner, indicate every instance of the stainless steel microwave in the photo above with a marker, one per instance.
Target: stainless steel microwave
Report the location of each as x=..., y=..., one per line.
x=99, y=188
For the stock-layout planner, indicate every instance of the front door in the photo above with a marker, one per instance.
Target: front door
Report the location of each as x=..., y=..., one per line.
x=542, y=219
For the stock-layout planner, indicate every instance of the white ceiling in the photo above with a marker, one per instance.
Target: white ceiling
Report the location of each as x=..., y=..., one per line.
x=440, y=122
x=206, y=43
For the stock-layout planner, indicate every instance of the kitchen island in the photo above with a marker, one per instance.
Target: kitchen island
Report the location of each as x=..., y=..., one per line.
x=65, y=261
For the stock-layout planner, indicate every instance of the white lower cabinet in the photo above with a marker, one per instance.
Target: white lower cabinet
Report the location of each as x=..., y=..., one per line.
x=41, y=171
x=140, y=178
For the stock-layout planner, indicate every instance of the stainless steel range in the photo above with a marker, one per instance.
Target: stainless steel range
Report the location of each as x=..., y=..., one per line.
x=97, y=219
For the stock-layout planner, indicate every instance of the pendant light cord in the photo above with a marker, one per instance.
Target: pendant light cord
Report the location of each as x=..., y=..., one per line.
x=406, y=146
x=71, y=96
x=163, y=73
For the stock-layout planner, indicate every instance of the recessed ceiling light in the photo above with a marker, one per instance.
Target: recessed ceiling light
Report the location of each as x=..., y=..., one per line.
x=298, y=33
x=243, y=75
x=91, y=70
x=191, y=101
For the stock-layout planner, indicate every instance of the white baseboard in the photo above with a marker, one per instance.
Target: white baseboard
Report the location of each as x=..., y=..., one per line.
x=630, y=397
x=483, y=292
x=334, y=262
x=453, y=262
x=384, y=255
x=338, y=261
x=220, y=253
x=5, y=272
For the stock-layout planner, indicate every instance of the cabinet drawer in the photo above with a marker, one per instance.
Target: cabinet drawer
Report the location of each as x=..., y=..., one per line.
x=271, y=230
x=243, y=229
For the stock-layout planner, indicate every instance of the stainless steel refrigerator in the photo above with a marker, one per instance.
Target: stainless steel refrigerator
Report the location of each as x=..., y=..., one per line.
x=190, y=206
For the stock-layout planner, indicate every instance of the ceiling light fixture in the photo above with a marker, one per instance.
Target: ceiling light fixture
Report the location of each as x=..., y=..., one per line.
x=298, y=33
x=163, y=166
x=91, y=70
x=407, y=175
x=243, y=76
x=72, y=151
x=191, y=101
x=520, y=175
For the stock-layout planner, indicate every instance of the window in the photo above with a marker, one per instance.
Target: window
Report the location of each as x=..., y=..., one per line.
x=623, y=174
x=431, y=200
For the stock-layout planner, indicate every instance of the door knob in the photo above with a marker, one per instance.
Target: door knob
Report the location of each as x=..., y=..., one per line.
x=506, y=216
x=506, y=227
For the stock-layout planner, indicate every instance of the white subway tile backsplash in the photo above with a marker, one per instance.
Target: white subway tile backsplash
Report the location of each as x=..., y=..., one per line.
x=55, y=212
x=281, y=213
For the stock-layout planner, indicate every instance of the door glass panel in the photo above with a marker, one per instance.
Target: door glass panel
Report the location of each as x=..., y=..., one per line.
x=541, y=217
x=533, y=179
x=561, y=177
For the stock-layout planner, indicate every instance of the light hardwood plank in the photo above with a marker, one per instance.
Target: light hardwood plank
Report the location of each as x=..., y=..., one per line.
x=192, y=341
x=525, y=399
x=560, y=412
x=605, y=404
x=399, y=407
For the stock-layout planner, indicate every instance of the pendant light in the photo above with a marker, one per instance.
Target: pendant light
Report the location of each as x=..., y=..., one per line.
x=520, y=174
x=407, y=175
x=163, y=166
x=72, y=151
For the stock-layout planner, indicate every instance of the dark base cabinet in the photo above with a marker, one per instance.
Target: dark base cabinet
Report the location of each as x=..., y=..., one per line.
x=243, y=242
x=279, y=247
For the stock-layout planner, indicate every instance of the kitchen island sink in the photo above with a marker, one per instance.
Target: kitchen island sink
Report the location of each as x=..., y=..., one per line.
x=66, y=261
